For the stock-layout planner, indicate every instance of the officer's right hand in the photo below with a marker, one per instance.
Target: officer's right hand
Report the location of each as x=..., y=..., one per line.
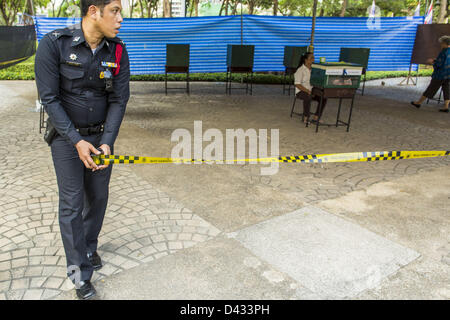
x=85, y=149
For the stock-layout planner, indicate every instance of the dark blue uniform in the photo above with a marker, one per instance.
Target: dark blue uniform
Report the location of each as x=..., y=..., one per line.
x=72, y=85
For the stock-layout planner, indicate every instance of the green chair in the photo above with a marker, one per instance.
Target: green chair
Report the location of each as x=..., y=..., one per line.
x=291, y=61
x=358, y=56
x=240, y=60
x=177, y=61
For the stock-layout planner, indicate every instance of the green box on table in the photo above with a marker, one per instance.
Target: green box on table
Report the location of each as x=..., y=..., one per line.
x=336, y=75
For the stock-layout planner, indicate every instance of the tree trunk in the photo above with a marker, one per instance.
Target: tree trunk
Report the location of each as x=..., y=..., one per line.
x=60, y=8
x=251, y=6
x=5, y=19
x=275, y=7
x=131, y=8
x=142, y=8
x=15, y=11
x=283, y=13
x=442, y=11
x=166, y=9
x=221, y=8
x=191, y=8
x=3, y=12
x=344, y=8
x=30, y=7
x=322, y=10
x=234, y=8
x=226, y=6
x=155, y=9
x=9, y=14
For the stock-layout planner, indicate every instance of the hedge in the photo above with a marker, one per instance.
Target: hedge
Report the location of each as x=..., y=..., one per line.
x=25, y=71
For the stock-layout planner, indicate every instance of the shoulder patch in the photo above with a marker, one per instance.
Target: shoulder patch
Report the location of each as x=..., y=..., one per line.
x=56, y=34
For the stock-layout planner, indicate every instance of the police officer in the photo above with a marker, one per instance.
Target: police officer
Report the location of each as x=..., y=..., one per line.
x=82, y=76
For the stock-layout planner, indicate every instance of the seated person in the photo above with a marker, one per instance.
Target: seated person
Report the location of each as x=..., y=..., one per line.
x=303, y=87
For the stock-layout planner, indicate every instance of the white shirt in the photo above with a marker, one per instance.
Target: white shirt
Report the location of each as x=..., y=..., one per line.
x=302, y=76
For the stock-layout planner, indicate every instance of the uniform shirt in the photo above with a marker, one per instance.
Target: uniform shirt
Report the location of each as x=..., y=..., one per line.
x=442, y=65
x=302, y=76
x=68, y=78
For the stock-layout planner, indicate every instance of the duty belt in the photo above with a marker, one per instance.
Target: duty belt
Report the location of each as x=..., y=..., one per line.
x=90, y=130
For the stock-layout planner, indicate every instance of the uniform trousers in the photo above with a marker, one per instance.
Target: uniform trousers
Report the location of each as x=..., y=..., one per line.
x=83, y=197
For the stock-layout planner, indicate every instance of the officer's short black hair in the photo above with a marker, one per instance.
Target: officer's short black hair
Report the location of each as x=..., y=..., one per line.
x=85, y=4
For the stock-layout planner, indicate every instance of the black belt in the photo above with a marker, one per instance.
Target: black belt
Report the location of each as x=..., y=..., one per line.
x=90, y=130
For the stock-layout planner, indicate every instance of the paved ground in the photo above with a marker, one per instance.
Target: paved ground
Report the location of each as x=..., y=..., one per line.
x=405, y=93
x=169, y=225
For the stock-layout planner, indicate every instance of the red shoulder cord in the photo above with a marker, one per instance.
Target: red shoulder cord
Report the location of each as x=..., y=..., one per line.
x=118, y=58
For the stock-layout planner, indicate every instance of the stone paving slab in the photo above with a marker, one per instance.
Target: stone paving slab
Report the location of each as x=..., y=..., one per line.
x=413, y=211
x=220, y=268
x=332, y=257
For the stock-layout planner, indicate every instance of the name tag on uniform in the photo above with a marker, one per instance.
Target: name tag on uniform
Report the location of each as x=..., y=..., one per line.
x=109, y=64
x=75, y=64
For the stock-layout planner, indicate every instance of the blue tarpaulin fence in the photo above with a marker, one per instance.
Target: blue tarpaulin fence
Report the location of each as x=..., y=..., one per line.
x=391, y=40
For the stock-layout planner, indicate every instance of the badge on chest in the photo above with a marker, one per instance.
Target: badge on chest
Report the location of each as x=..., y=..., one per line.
x=72, y=61
x=109, y=64
x=107, y=75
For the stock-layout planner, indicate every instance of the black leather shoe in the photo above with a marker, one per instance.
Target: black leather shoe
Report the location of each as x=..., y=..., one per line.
x=86, y=291
x=95, y=260
x=443, y=110
x=415, y=104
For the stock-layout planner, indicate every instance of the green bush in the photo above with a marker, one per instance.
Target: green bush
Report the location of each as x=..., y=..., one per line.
x=214, y=77
x=20, y=71
x=25, y=71
x=373, y=75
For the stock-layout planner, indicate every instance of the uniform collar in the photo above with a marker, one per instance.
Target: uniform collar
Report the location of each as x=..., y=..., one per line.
x=103, y=43
x=78, y=38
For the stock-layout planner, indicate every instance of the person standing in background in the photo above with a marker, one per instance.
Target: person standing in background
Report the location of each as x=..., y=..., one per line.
x=440, y=77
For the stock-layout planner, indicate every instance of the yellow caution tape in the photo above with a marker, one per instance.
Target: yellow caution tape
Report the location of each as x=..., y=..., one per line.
x=313, y=158
x=12, y=61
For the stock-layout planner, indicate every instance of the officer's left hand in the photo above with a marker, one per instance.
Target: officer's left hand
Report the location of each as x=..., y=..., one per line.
x=106, y=151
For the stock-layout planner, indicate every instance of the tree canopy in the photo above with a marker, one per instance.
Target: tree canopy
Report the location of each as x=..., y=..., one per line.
x=157, y=8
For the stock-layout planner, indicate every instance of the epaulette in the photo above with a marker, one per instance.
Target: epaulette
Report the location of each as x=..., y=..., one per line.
x=56, y=34
x=117, y=40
